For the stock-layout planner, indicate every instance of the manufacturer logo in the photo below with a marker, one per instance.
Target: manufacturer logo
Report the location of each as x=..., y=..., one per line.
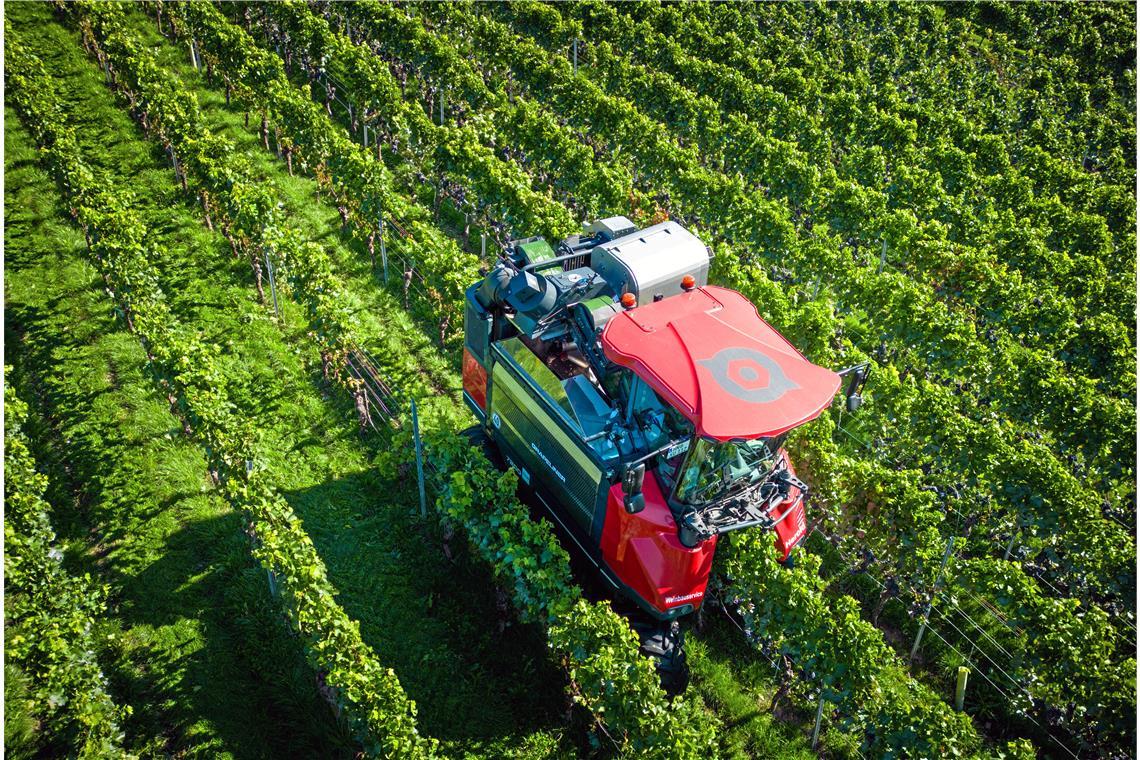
x=496, y=420
x=749, y=375
x=801, y=529
x=534, y=447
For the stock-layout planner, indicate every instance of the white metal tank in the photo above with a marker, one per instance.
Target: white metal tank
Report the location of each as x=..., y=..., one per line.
x=652, y=261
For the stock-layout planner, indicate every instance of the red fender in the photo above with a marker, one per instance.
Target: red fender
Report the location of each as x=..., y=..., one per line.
x=644, y=552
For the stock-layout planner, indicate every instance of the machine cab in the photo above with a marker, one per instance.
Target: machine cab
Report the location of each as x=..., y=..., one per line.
x=643, y=408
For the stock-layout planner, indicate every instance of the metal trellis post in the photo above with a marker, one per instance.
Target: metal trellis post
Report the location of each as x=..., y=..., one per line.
x=930, y=604
x=818, y=721
x=272, y=284
x=419, y=459
x=1012, y=541
x=383, y=251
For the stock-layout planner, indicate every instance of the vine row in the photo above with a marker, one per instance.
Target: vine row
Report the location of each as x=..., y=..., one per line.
x=647, y=723
x=49, y=614
x=368, y=695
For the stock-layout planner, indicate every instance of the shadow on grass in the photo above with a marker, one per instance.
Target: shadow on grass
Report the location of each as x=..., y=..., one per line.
x=250, y=665
x=474, y=671
x=198, y=650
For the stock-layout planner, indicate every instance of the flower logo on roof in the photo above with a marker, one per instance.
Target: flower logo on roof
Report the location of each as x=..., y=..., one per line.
x=749, y=375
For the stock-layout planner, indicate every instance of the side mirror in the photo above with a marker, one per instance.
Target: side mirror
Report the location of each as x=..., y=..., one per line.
x=859, y=376
x=631, y=482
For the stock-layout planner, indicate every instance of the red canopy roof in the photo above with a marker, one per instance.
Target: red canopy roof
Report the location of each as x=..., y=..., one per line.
x=710, y=354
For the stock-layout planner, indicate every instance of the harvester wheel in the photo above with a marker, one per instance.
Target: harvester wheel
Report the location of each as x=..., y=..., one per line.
x=478, y=437
x=665, y=643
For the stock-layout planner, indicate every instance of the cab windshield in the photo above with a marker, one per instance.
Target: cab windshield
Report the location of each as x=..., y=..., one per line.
x=714, y=469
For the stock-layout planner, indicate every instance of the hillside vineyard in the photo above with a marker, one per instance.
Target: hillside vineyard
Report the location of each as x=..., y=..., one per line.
x=273, y=271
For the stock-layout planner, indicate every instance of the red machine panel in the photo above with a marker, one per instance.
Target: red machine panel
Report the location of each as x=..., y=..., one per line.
x=710, y=354
x=475, y=379
x=644, y=552
x=792, y=529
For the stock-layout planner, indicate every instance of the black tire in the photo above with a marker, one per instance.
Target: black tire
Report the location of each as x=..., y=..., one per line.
x=478, y=437
x=665, y=643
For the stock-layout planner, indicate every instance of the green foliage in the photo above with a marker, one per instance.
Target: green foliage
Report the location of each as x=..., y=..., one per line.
x=902, y=312
x=21, y=725
x=803, y=143
x=506, y=200
x=368, y=694
x=910, y=721
x=360, y=181
x=841, y=654
x=608, y=675
x=611, y=679
x=980, y=396
x=49, y=641
x=1070, y=662
x=934, y=407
